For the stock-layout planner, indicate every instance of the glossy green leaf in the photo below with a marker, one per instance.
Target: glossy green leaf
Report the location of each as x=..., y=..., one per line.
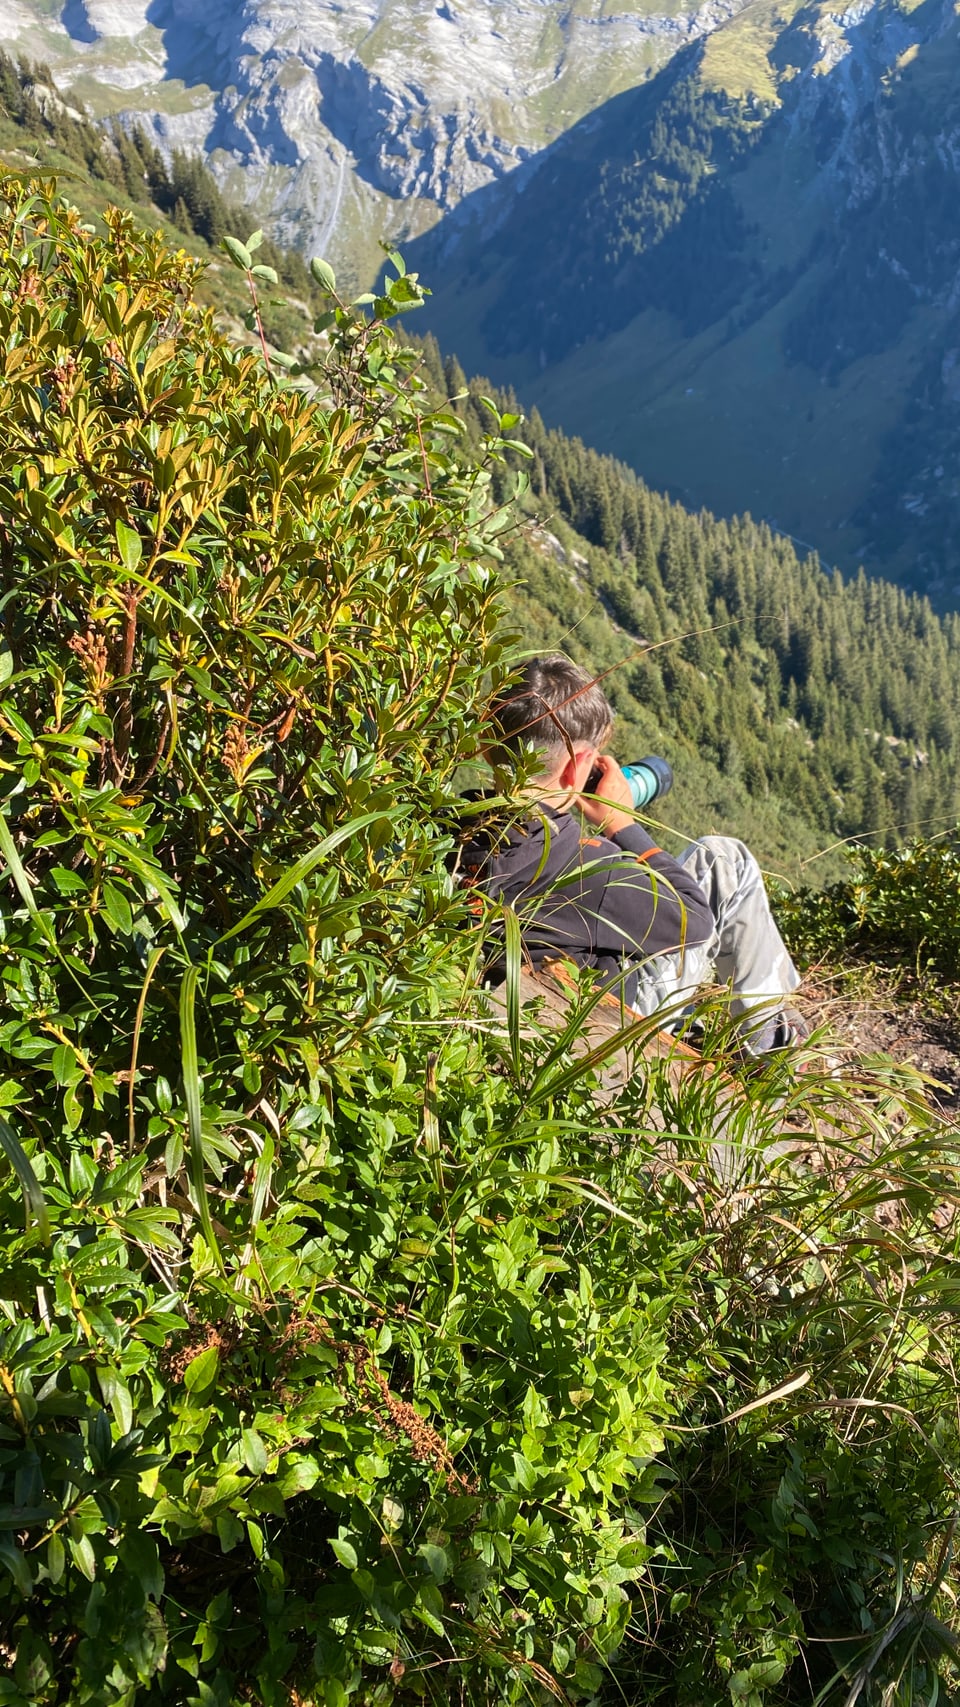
x=238, y=252
x=130, y=545
x=324, y=274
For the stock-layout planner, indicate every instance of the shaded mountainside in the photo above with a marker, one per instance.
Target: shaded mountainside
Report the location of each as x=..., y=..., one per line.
x=743, y=278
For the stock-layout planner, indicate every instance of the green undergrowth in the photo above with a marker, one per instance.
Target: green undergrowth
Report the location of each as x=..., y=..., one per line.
x=358, y=1341
x=901, y=906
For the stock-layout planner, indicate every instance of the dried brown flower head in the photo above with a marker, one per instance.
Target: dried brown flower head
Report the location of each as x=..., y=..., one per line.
x=236, y=752
x=29, y=289
x=64, y=380
x=91, y=649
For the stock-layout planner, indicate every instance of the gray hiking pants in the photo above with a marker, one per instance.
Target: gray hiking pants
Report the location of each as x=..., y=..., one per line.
x=746, y=950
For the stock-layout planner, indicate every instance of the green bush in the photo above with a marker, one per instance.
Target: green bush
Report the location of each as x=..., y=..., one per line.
x=354, y=1344
x=243, y=637
x=901, y=904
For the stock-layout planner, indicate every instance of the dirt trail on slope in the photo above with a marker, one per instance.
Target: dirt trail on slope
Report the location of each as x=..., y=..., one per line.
x=877, y=1019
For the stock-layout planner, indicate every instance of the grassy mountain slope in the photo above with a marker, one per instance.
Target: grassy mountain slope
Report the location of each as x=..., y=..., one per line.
x=800, y=711
x=749, y=292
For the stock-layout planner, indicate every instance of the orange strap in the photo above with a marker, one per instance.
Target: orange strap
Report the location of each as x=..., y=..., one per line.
x=648, y=855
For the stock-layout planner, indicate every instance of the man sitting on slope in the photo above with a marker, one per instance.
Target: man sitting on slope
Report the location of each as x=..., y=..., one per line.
x=655, y=928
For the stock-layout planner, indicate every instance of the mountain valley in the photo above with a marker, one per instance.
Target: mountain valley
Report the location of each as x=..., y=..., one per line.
x=346, y=123
x=750, y=296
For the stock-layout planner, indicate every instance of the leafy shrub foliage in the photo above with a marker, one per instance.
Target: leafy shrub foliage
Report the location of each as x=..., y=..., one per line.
x=242, y=647
x=903, y=904
x=351, y=1346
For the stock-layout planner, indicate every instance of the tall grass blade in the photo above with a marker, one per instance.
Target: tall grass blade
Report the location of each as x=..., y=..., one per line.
x=772, y=1396
x=633, y=1033
x=9, y=850
x=33, y=1199
x=191, y=1088
x=262, y=1180
x=283, y=886
x=431, y=1123
x=548, y=1083
x=152, y=964
x=513, y=956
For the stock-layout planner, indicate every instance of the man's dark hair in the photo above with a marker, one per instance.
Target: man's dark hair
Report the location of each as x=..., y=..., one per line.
x=552, y=705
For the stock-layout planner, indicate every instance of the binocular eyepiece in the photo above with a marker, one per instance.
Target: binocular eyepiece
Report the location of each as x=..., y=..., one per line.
x=648, y=778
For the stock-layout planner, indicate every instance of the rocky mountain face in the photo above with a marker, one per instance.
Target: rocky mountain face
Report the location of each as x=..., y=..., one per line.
x=348, y=120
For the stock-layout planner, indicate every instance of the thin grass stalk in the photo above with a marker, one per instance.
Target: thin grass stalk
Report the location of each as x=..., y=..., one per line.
x=191, y=1088
x=23, y=885
x=513, y=955
x=152, y=965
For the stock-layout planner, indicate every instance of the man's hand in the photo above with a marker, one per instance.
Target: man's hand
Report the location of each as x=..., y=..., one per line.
x=603, y=808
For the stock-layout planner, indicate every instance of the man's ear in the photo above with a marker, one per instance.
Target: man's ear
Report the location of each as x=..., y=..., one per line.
x=577, y=768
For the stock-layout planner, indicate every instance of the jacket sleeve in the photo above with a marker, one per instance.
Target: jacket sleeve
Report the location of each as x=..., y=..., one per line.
x=651, y=904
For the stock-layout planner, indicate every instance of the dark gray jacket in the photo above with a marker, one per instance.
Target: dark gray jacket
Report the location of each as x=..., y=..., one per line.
x=603, y=903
